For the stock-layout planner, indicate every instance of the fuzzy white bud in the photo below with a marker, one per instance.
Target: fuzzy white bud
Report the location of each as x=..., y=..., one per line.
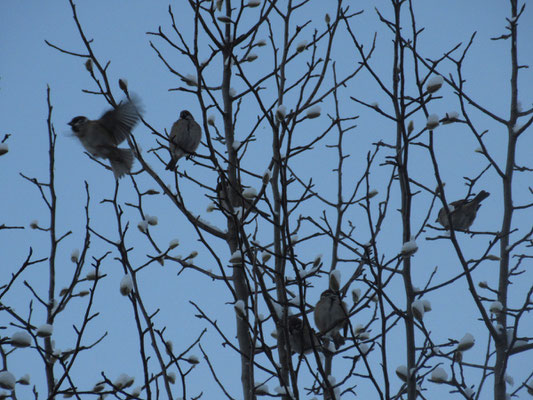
x=45, y=330
x=281, y=112
x=372, y=193
x=240, y=308
x=409, y=248
x=335, y=280
x=7, y=380
x=143, y=226
x=21, y=339
x=496, y=307
x=249, y=193
x=152, y=220
x=24, y=380
x=402, y=372
x=439, y=375
x=126, y=285
x=236, y=257
x=75, y=255
x=466, y=343
x=313, y=112
x=434, y=83
x=432, y=121
x=301, y=46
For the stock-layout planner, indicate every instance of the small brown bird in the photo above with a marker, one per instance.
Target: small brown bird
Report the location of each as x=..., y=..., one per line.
x=185, y=136
x=300, y=336
x=222, y=198
x=463, y=212
x=331, y=316
x=239, y=201
x=101, y=137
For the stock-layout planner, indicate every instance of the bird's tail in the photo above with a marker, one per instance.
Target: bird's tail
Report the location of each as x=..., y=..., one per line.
x=175, y=155
x=121, y=162
x=338, y=340
x=172, y=164
x=480, y=197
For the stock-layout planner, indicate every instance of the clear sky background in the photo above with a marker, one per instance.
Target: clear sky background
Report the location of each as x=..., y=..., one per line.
x=118, y=30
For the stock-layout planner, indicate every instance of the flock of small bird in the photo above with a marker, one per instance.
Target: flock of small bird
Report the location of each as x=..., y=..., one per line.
x=101, y=138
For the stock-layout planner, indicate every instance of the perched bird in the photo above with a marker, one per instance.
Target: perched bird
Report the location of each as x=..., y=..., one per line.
x=101, y=137
x=331, y=316
x=222, y=198
x=239, y=201
x=463, y=212
x=185, y=137
x=302, y=338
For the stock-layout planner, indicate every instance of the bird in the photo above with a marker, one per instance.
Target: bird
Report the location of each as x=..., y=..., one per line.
x=222, y=197
x=223, y=189
x=302, y=338
x=185, y=136
x=463, y=212
x=331, y=316
x=101, y=137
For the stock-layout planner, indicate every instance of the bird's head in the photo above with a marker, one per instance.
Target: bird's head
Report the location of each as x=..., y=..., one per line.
x=186, y=115
x=295, y=324
x=77, y=123
x=328, y=294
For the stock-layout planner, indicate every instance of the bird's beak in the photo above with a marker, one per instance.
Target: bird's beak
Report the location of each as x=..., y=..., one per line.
x=70, y=123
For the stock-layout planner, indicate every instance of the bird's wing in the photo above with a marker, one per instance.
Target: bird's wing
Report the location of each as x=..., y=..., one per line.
x=177, y=133
x=196, y=133
x=458, y=204
x=119, y=122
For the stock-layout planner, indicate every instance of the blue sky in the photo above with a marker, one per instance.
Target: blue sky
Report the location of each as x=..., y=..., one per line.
x=119, y=29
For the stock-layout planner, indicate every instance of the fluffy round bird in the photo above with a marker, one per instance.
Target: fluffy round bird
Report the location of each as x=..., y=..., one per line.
x=302, y=338
x=101, y=137
x=331, y=316
x=463, y=212
x=185, y=137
